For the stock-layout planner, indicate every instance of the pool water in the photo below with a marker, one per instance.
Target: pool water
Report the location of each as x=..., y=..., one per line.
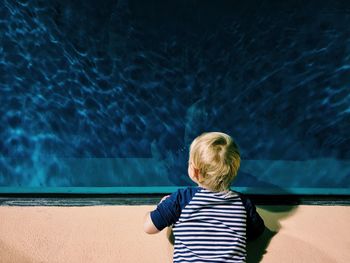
x=107, y=97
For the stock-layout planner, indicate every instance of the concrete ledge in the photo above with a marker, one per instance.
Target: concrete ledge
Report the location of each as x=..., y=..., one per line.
x=114, y=234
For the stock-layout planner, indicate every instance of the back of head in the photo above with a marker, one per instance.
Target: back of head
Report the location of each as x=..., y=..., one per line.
x=217, y=158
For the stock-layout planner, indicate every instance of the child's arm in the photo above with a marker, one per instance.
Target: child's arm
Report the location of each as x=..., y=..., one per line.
x=168, y=210
x=255, y=224
x=148, y=225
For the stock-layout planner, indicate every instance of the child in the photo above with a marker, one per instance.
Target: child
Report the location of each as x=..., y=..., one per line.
x=210, y=222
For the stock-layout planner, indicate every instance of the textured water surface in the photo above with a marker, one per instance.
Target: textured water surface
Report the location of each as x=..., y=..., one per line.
x=112, y=93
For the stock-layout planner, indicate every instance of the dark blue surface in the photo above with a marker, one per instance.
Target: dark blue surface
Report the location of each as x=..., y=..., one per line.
x=112, y=93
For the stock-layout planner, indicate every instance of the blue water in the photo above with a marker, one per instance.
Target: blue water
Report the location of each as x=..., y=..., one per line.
x=111, y=93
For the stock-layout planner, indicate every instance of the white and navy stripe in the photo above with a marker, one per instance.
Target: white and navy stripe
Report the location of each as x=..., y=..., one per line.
x=211, y=228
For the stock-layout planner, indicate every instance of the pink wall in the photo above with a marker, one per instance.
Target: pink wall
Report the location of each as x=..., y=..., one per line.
x=114, y=234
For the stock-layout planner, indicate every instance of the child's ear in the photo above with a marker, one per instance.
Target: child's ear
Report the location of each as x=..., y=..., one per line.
x=197, y=175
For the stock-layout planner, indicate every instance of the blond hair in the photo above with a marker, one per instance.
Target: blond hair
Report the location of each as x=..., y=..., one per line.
x=217, y=158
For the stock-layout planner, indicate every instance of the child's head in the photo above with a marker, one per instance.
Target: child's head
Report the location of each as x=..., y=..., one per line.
x=215, y=159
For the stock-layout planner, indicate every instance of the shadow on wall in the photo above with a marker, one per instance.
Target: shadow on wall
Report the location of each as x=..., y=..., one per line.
x=272, y=216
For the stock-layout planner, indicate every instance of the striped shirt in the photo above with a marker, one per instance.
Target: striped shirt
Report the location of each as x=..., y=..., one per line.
x=208, y=226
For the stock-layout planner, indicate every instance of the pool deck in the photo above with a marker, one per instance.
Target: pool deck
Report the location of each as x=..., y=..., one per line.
x=113, y=233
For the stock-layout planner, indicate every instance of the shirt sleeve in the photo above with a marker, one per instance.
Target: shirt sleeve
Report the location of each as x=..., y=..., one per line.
x=169, y=210
x=255, y=224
